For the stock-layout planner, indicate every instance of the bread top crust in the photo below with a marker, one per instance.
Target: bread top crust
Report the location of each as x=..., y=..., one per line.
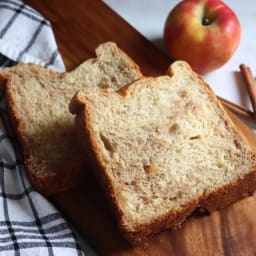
x=162, y=143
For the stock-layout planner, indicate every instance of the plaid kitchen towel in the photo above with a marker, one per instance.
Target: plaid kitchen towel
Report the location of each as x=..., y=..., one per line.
x=25, y=36
x=29, y=224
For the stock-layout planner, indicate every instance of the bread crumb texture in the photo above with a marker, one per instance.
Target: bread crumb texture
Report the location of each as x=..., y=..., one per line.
x=163, y=142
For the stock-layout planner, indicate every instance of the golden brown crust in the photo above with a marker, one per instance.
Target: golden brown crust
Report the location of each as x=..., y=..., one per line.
x=216, y=200
x=230, y=193
x=75, y=105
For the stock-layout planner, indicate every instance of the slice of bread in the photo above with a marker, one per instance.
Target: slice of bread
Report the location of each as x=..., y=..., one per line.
x=161, y=148
x=37, y=102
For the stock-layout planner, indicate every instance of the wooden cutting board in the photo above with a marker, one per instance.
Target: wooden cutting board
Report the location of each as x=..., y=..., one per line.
x=79, y=26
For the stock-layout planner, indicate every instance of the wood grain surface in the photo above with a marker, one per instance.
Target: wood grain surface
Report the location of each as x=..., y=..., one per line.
x=79, y=26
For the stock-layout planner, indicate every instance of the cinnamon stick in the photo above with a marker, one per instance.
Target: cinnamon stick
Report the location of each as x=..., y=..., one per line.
x=238, y=110
x=242, y=113
x=250, y=85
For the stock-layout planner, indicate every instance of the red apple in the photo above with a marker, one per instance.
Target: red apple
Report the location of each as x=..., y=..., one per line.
x=205, y=33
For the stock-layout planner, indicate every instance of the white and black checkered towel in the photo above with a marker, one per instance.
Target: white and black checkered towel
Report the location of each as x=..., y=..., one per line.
x=29, y=224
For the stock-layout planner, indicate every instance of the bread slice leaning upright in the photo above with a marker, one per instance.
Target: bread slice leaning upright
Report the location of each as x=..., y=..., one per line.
x=37, y=104
x=162, y=147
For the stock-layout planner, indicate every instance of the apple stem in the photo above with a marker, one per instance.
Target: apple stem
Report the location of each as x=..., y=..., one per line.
x=206, y=21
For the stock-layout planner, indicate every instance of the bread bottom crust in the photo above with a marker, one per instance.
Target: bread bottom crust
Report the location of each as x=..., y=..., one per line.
x=65, y=178
x=210, y=202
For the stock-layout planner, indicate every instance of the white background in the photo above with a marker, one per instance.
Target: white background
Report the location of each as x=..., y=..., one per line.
x=148, y=17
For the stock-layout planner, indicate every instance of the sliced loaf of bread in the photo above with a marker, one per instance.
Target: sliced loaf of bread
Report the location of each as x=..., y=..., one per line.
x=37, y=102
x=161, y=148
